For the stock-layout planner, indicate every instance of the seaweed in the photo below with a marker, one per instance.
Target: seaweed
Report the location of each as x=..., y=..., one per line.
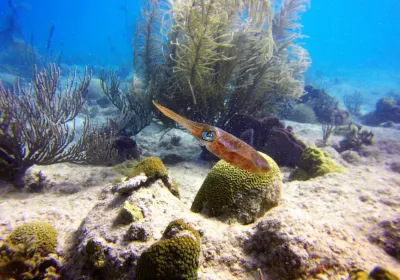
x=215, y=58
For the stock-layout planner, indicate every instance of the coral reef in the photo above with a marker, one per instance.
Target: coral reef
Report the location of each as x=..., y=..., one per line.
x=234, y=194
x=152, y=167
x=284, y=255
x=94, y=254
x=269, y=136
x=314, y=163
x=127, y=148
x=33, y=122
x=213, y=63
x=175, y=256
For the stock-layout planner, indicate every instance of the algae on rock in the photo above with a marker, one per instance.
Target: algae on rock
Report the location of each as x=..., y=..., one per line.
x=314, y=163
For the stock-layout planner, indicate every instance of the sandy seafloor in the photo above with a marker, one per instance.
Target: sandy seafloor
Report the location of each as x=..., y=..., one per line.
x=335, y=214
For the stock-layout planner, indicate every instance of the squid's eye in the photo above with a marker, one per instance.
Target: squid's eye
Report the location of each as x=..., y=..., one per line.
x=208, y=135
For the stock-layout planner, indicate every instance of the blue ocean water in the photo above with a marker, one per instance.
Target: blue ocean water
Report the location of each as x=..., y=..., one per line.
x=341, y=34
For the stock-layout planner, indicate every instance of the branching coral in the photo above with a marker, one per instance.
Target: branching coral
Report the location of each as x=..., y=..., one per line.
x=221, y=57
x=133, y=103
x=33, y=124
x=356, y=138
x=353, y=103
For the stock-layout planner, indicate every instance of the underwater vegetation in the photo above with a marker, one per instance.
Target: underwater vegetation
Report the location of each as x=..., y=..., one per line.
x=235, y=194
x=207, y=63
x=34, y=129
x=326, y=107
x=355, y=138
x=133, y=103
x=353, y=103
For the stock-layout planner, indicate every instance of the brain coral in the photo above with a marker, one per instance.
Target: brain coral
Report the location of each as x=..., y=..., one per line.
x=175, y=256
x=238, y=195
x=43, y=235
x=314, y=163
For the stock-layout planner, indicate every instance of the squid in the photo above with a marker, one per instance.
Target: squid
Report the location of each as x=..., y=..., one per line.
x=221, y=143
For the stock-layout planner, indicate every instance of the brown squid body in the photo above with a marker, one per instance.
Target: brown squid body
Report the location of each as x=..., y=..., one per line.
x=221, y=143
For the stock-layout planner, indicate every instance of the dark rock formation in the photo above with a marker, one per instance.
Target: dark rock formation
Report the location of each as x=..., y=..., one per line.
x=268, y=135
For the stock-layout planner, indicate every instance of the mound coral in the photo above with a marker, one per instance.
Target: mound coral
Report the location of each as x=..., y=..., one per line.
x=44, y=236
x=314, y=163
x=26, y=253
x=175, y=256
x=238, y=195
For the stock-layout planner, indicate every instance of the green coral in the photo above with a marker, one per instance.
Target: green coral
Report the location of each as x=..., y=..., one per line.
x=43, y=235
x=237, y=194
x=378, y=273
x=25, y=254
x=175, y=256
x=152, y=167
x=314, y=163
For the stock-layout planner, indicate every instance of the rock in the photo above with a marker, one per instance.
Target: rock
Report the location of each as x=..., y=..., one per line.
x=138, y=233
x=130, y=185
x=129, y=213
x=269, y=136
